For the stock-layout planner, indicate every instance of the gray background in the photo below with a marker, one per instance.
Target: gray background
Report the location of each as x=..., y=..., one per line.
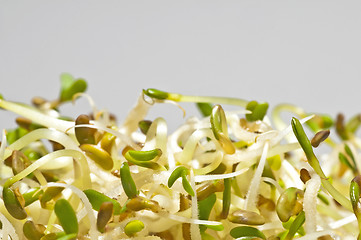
x=303, y=52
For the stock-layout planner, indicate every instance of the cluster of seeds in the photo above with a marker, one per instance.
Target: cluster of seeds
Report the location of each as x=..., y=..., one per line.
x=227, y=175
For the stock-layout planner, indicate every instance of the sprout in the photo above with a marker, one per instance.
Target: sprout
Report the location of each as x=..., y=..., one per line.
x=133, y=227
x=226, y=174
x=127, y=181
x=66, y=216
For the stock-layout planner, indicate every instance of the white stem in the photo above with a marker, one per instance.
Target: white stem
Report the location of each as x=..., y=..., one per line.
x=310, y=203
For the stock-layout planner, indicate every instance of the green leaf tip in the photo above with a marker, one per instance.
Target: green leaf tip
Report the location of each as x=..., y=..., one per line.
x=155, y=93
x=128, y=184
x=133, y=227
x=258, y=110
x=204, y=108
x=70, y=87
x=246, y=232
x=66, y=216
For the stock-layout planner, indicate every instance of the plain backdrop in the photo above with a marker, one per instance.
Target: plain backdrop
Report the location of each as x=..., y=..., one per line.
x=306, y=53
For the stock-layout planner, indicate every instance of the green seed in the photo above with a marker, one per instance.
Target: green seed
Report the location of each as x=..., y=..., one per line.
x=133, y=227
x=186, y=185
x=98, y=155
x=66, y=216
x=140, y=203
x=143, y=155
x=177, y=173
x=205, y=108
x=128, y=184
x=258, y=110
x=70, y=86
x=220, y=130
x=288, y=204
x=245, y=232
x=13, y=205
x=206, y=190
x=104, y=215
x=144, y=126
x=107, y=142
x=155, y=93
x=32, y=195
x=32, y=231
x=49, y=194
x=96, y=199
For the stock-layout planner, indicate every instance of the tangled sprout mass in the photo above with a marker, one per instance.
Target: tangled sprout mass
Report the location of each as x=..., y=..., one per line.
x=228, y=175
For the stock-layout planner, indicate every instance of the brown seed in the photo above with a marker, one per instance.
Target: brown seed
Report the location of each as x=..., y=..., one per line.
x=319, y=137
x=104, y=214
x=246, y=217
x=304, y=175
x=84, y=134
x=207, y=189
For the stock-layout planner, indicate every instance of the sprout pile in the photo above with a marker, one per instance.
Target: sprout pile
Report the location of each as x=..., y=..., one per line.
x=239, y=174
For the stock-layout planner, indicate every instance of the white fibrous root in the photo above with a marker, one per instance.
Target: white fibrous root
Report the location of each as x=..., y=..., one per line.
x=226, y=175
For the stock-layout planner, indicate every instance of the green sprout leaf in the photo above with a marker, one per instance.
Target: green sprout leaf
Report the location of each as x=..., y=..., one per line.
x=12, y=204
x=145, y=158
x=258, y=110
x=246, y=233
x=32, y=231
x=70, y=87
x=205, y=207
x=155, y=93
x=205, y=108
x=66, y=216
x=296, y=225
x=133, y=227
x=220, y=130
x=182, y=172
x=96, y=199
x=144, y=126
x=226, y=203
x=128, y=184
x=288, y=203
x=98, y=155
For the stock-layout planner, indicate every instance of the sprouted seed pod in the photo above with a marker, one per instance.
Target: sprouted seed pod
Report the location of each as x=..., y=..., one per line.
x=197, y=182
x=133, y=227
x=140, y=203
x=246, y=232
x=258, y=110
x=84, y=134
x=70, y=86
x=66, y=216
x=32, y=231
x=246, y=217
x=144, y=126
x=98, y=155
x=12, y=204
x=181, y=172
x=289, y=204
x=127, y=181
x=145, y=159
x=104, y=214
x=220, y=129
x=205, y=108
x=97, y=199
